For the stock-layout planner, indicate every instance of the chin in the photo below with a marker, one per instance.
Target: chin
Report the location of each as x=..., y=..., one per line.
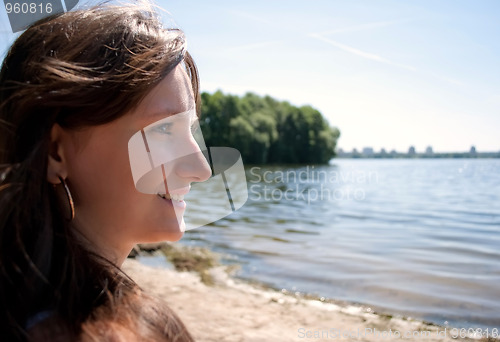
x=174, y=238
x=171, y=234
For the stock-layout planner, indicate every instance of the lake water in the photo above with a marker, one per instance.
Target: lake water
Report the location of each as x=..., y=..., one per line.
x=417, y=237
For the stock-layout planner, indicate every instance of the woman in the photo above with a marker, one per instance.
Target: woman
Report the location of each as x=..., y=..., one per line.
x=74, y=89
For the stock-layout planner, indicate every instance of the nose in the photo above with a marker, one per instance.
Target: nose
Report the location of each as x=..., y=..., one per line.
x=193, y=167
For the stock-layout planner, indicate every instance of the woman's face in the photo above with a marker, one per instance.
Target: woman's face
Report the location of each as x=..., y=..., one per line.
x=110, y=211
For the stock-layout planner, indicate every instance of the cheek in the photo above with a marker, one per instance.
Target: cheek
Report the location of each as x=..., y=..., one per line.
x=101, y=175
x=100, y=178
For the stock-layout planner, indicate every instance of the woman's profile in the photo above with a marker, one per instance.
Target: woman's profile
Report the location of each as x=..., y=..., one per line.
x=74, y=89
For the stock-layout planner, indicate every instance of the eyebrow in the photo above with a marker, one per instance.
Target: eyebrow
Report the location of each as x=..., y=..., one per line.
x=165, y=113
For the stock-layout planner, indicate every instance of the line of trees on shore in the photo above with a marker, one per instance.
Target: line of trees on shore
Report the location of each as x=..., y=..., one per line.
x=267, y=131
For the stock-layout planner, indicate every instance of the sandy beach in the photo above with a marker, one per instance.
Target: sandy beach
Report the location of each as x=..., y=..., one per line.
x=231, y=310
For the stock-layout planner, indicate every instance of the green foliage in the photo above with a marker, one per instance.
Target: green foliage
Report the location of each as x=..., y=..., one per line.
x=267, y=131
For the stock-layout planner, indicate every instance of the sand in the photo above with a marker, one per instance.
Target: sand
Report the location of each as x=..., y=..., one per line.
x=232, y=310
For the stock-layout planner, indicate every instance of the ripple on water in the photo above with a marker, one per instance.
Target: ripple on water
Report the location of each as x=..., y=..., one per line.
x=424, y=240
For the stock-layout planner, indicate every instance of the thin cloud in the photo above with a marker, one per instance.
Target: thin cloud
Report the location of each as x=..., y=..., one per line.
x=250, y=16
x=253, y=46
x=360, y=53
x=364, y=27
x=450, y=80
x=321, y=37
x=383, y=60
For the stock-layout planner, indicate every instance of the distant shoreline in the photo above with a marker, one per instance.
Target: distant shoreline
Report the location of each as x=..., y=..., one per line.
x=447, y=155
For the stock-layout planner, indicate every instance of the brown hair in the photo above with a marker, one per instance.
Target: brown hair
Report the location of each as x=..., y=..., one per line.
x=77, y=69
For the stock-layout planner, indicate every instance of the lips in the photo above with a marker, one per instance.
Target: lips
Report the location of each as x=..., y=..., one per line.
x=176, y=195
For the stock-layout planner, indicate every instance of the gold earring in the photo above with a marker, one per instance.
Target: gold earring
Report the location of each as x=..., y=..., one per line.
x=70, y=199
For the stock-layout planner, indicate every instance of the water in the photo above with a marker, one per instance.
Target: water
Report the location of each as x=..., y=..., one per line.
x=419, y=238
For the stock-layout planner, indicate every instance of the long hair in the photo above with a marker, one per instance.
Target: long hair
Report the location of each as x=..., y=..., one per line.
x=77, y=69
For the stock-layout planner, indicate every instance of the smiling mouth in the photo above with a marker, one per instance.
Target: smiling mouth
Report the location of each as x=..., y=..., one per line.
x=173, y=197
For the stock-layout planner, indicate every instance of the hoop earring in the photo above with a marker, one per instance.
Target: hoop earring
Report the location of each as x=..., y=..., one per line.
x=70, y=199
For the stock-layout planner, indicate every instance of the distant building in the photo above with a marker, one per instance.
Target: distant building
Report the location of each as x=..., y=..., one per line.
x=429, y=151
x=383, y=152
x=411, y=151
x=473, y=150
x=368, y=151
x=340, y=152
x=355, y=153
x=393, y=152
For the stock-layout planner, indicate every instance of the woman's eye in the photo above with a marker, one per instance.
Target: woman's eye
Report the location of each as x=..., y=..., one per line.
x=164, y=129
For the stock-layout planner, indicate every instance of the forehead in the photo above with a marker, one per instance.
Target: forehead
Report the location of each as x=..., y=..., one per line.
x=172, y=95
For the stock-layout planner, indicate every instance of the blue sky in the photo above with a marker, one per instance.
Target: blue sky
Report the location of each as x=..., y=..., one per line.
x=388, y=73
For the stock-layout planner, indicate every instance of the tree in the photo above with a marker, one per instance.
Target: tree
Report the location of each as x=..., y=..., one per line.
x=265, y=130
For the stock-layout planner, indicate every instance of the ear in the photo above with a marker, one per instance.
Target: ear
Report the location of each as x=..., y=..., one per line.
x=57, y=165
